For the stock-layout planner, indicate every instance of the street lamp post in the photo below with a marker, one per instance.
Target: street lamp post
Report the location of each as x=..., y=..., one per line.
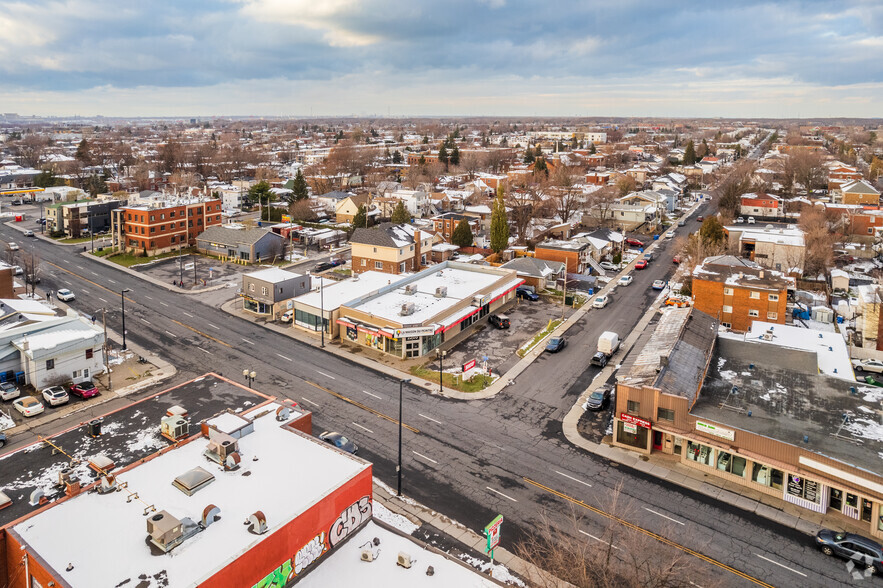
x=123, y=301
x=91, y=230
x=399, y=466
x=181, y=265
x=249, y=376
x=441, y=356
x=322, y=310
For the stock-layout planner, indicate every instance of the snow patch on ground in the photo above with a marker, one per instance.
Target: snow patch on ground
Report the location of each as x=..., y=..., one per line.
x=729, y=375
x=396, y=520
x=144, y=440
x=865, y=429
x=500, y=572
x=721, y=362
x=6, y=421
x=874, y=394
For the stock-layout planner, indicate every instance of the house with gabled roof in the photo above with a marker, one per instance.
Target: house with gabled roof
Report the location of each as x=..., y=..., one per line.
x=390, y=248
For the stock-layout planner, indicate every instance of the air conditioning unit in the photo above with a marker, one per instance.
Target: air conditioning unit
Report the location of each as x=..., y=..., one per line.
x=407, y=309
x=367, y=555
x=478, y=301
x=410, y=289
x=768, y=335
x=403, y=560
x=441, y=292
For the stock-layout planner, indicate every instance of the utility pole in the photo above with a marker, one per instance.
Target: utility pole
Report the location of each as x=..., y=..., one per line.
x=322, y=307
x=181, y=264
x=106, y=349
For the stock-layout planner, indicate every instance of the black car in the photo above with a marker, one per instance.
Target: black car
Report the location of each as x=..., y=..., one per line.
x=867, y=553
x=556, y=344
x=599, y=400
x=501, y=321
x=599, y=359
x=324, y=267
x=339, y=441
x=528, y=294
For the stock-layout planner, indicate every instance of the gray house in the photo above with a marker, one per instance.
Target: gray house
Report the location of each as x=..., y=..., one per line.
x=241, y=245
x=269, y=292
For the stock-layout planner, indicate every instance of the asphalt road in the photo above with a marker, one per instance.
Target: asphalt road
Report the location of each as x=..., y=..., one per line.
x=468, y=460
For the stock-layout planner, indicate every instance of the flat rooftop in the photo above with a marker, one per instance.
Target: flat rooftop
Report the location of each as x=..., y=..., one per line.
x=116, y=551
x=339, y=293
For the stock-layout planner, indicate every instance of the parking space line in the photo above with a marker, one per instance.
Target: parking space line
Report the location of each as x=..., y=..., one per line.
x=500, y=493
x=780, y=565
x=429, y=418
x=363, y=428
x=310, y=401
x=572, y=478
x=426, y=458
x=599, y=539
x=374, y=395
x=663, y=516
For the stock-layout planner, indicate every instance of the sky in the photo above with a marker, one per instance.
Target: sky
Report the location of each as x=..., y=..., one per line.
x=745, y=59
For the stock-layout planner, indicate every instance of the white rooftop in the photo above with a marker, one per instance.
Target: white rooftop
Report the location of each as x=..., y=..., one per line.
x=117, y=553
x=273, y=275
x=338, y=293
x=829, y=347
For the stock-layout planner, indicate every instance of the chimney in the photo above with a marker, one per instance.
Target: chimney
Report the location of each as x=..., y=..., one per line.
x=417, y=233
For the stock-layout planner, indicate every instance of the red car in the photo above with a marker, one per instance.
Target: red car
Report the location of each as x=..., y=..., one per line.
x=641, y=264
x=676, y=259
x=85, y=389
x=634, y=243
x=700, y=218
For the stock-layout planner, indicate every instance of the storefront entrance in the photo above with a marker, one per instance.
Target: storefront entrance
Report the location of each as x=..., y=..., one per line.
x=657, y=440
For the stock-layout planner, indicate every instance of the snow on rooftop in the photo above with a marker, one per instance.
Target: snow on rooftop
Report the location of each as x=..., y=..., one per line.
x=274, y=275
x=829, y=347
x=339, y=293
x=116, y=552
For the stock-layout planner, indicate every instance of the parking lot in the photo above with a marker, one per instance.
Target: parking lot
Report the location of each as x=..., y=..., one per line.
x=196, y=271
x=499, y=346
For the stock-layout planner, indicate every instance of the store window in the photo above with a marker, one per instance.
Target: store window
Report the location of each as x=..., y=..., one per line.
x=732, y=464
x=802, y=488
x=632, y=434
x=867, y=509
x=699, y=453
x=665, y=414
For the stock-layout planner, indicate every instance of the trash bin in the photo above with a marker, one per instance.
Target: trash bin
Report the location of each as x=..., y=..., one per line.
x=568, y=300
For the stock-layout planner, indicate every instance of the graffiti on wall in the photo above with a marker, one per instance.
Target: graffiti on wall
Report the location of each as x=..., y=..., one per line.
x=350, y=520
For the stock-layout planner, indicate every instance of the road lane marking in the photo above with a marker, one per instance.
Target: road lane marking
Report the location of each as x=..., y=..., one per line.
x=148, y=297
x=780, y=565
x=374, y=395
x=172, y=334
x=206, y=350
x=326, y=375
x=362, y=406
x=247, y=341
x=500, y=493
x=111, y=281
x=310, y=401
x=81, y=267
x=424, y=457
x=659, y=514
x=285, y=358
x=94, y=274
x=206, y=335
x=429, y=418
x=96, y=284
x=188, y=314
x=572, y=478
x=84, y=290
x=145, y=321
x=213, y=326
x=599, y=539
x=644, y=531
x=363, y=428
x=103, y=300
x=164, y=304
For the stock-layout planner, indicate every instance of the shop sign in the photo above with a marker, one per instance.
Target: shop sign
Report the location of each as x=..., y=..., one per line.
x=492, y=532
x=469, y=365
x=715, y=430
x=795, y=485
x=811, y=491
x=629, y=428
x=413, y=332
x=633, y=420
x=351, y=333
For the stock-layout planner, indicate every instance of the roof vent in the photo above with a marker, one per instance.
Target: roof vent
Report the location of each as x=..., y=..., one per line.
x=282, y=413
x=193, y=481
x=175, y=427
x=257, y=523
x=210, y=514
x=410, y=289
x=441, y=292
x=408, y=309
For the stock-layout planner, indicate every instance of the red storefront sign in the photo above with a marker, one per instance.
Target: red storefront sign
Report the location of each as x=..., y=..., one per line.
x=469, y=365
x=633, y=420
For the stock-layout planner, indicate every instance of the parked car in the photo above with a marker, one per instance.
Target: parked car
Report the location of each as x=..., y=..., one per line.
x=682, y=222
x=9, y=391
x=678, y=301
x=634, y=242
x=339, y=441
x=16, y=269
x=501, y=321
x=13, y=246
x=287, y=316
x=649, y=256
x=868, y=365
x=527, y=294
x=658, y=285
x=29, y=233
x=28, y=406
x=608, y=266
x=556, y=344
x=601, y=301
x=65, y=295
x=84, y=390
x=599, y=400
x=751, y=220
x=55, y=395
x=676, y=259
x=641, y=264
x=600, y=359
x=670, y=235
x=2, y=439
x=323, y=267
x=700, y=218
x=625, y=280
x=867, y=553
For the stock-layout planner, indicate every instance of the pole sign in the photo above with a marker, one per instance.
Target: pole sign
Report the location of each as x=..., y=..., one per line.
x=469, y=365
x=493, y=533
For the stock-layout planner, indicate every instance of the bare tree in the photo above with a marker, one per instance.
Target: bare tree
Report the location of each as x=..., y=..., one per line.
x=739, y=181
x=470, y=163
x=522, y=202
x=819, y=238
x=600, y=202
x=804, y=166
x=568, y=196
x=30, y=150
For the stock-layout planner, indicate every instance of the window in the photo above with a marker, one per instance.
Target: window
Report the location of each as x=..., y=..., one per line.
x=251, y=287
x=726, y=325
x=162, y=217
x=402, y=267
x=753, y=313
x=774, y=297
x=152, y=229
x=665, y=414
x=364, y=262
x=699, y=453
x=412, y=248
x=401, y=251
x=89, y=354
x=772, y=316
x=732, y=464
x=172, y=214
x=728, y=291
x=152, y=217
x=378, y=265
x=75, y=374
x=727, y=309
x=803, y=488
x=754, y=295
x=375, y=250
x=263, y=290
x=50, y=364
x=633, y=407
x=870, y=230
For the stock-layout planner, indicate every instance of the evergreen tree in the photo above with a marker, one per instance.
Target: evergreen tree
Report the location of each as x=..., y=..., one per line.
x=361, y=217
x=528, y=155
x=462, y=235
x=689, y=154
x=455, y=155
x=422, y=160
x=540, y=166
x=400, y=214
x=592, y=149
x=712, y=232
x=499, y=223
x=443, y=155
x=260, y=192
x=299, y=187
x=425, y=140
x=84, y=152
x=397, y=156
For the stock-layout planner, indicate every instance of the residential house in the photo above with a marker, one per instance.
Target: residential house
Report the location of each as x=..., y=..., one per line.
x=242, y=245
x=737, y=292
x=859, y=192
x=760, y=205
x=445, y=224
x=348, y=207
x=390, y=248
x=268, y=292
x=330, y=200
x=539, y=273
x=574, y=254
x=781, y=249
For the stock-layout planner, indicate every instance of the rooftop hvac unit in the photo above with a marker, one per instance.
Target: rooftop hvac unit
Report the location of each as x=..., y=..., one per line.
x=441, y=292
x=408, y=309
x=257, y=523
x=410, y=289
x=767, y=335
x=367, y=555
x=478, y=301
x=403, y=560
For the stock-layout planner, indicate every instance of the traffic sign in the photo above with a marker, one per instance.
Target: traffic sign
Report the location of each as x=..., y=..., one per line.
x=493, y=533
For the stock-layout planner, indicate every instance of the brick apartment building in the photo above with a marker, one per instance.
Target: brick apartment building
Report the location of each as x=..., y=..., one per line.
x=445, y=224
x=572, y=253
x=389, y=248
x=738, y=292
x=162, y=226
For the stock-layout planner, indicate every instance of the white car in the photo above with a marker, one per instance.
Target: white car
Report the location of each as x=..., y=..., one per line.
x=28, y=406
x=29, y=233
x=868, y=365
x=625, y=280
x=601, y=301
x=286, y=316
x=13, y=246
x=608, y=266
x=751, y=220
x=740, y=220
x=56, y=395
x=670, y=235
x=9, y=391
x=65, y=295
x=16, y=269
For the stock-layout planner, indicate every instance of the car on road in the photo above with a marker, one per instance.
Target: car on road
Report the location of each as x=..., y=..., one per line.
x=751, y=220
x=599, y=399
x=2, y=439
x=641, y=264
x=13, y=246
x=29, y=233
x=65, y=295
x=55, y=395
x=323, y=267
x=625, y=280
x=700, y=218
x=287, y=316
x=740, y=220
x=600, y=359
x=868, y=365
x=526, y=294
x=676, y=259
x=608, y=266
x=85, y=390
x=556, y=344
x=601, y=301
x=670, y=235
x=501, y=321
x=339, y=441
x=866, y=553
x=9, y=391
x=28, y=406
x=658, y=285
x=634, y=242
x=682, y=222
x=649, y=256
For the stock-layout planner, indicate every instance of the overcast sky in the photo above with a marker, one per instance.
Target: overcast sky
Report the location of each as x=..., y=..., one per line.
x=448, y=57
